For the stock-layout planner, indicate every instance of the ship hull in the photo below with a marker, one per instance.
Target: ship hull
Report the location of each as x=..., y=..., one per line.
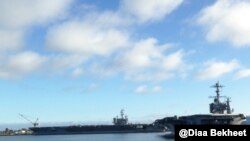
x=99, y=129
x=202, y=119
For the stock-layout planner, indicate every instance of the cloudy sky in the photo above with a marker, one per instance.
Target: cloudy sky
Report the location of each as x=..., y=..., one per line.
x=84, y=60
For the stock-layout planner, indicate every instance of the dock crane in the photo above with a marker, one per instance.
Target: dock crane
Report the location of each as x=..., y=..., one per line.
x=35, y=123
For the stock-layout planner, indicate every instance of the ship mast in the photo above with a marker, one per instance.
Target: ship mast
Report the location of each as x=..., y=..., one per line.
x=122, y=113
x=218, y=87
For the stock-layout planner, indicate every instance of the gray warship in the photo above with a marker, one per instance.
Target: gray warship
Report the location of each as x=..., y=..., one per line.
x=120, y=125
x=219, y=113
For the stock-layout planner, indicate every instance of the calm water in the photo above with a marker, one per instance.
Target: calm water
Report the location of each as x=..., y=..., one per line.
x=90, y=137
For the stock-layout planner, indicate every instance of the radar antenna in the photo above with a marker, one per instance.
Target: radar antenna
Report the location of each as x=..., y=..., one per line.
x=229, y=110
x=122, y=113
x=218, y=90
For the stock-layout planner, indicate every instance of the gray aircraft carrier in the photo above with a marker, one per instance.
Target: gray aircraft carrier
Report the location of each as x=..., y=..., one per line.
x=120, y=125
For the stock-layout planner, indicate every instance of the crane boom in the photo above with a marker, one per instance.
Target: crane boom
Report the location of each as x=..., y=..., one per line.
x=35, y=124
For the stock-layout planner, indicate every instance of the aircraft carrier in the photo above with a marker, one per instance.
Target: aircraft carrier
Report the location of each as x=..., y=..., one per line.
x=219, y=113
x=120, y=125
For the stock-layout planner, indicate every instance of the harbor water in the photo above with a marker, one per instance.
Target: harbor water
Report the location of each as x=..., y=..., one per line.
x=91, y=137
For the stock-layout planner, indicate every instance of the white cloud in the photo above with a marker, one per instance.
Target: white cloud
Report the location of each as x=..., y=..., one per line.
x=21, y=64
x=143, y=89
x=149, y=10
x=156, y=89
x=91, y=87
x=145, y=53
x=242, y=74
x=60, y=63
x=77, y=72
x=17, y=16
x=173, y=61
x=105, y=34
x=21, y=13
x=214, y=69
x=80, y=38
x=24, y=63
x=147, y=60
x=227, y=20
x=10, y=39
x=109, y=19
x=150, y=76
x=103, y=69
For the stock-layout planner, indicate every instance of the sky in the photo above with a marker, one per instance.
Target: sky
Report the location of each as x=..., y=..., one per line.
x=85, y=60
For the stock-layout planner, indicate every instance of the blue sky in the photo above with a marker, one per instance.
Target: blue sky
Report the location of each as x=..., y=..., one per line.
x=84, y=60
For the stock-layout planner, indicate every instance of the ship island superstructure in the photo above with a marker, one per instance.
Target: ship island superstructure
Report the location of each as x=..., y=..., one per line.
x=121, y=121
x=220, y=113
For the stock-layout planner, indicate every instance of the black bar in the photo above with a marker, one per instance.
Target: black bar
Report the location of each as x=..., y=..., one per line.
x=212, y=132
